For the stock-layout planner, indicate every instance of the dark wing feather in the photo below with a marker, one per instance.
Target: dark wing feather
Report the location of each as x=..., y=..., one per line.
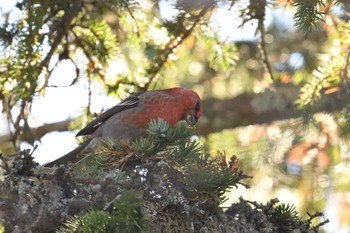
x=130, y=102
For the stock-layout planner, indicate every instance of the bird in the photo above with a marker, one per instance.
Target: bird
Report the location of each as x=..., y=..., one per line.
x=129, y=119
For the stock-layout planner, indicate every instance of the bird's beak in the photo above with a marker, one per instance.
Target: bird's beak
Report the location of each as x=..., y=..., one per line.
x=191, y=120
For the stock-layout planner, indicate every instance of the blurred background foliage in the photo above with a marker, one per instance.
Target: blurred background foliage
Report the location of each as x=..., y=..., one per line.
x=221, y=49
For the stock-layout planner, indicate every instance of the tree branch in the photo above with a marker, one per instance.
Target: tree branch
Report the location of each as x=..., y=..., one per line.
x=242, y=110
x=62, y=30
x=262, y=108
x=172, y=45
x=265, y=58
x=38, y=132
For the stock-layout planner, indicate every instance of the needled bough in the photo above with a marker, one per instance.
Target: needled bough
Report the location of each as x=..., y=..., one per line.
x=164, y=182
x=123, y=215
x=201, y=176
x=161, y=143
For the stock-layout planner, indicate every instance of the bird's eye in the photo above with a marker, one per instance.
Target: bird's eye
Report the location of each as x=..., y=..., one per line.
x=197, y=107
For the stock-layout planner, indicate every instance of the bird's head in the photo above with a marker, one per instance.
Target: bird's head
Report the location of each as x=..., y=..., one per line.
x=191, y=105
x=193, y=114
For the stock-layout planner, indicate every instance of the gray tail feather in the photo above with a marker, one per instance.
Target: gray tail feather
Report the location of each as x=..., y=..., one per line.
x=73, y=156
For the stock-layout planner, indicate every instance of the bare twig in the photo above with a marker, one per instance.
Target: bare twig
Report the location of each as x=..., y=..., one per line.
x=89, y=93
x=172, y=45
x=135, y=21
x=124, y=160
x=263, y=47
x=62, y=31
x=74, y=81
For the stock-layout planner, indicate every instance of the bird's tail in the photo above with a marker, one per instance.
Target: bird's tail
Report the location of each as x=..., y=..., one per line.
x=74, y=156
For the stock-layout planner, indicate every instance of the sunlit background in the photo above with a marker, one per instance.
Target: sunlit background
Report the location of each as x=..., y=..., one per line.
x=304, y=167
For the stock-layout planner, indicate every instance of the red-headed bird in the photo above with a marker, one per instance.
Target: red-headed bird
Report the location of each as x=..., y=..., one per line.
x=129, y=119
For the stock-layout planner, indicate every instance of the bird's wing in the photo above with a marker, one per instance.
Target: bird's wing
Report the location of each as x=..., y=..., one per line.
x=130, y=102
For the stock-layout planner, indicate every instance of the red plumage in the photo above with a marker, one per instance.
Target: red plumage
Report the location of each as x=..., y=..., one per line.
x=129, y=119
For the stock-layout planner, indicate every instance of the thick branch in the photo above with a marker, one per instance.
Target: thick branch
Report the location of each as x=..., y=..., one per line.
x=39, y=132
x=263, y=108
x=242, y=110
